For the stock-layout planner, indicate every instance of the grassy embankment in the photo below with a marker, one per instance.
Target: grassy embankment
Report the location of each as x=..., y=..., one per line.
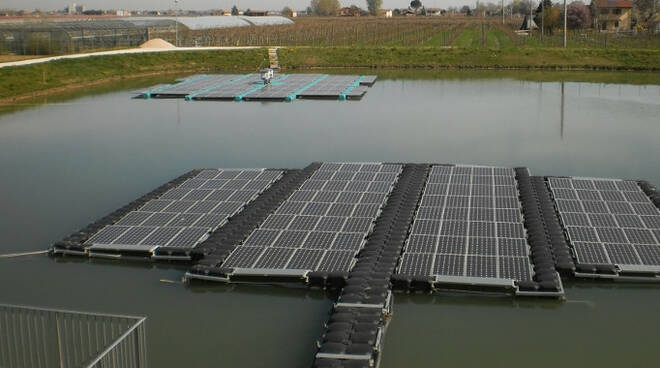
x=63, y=75
x=23, y=82
x=470, y=57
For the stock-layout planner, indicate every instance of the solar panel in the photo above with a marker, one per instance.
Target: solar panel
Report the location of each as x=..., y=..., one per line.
x=469, y=224
x=337, y=261
x=305, y=259
x=274, y=258
x=184, y=215
x=416, y=264
x=608, y=221
x=326, y=221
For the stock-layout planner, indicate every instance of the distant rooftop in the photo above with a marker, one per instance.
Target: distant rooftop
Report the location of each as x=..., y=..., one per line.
x=613, y=3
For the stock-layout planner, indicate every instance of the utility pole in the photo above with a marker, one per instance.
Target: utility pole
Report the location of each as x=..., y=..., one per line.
x=502, y=11
x=564, y=23
x=531, y=19
x=176, y=23
x=542, y=18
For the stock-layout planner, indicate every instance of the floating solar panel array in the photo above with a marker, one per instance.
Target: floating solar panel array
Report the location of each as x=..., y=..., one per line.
x=283, y=87
x=469, y=229
x=183, y=216
x=612, y=226
x=321, y=226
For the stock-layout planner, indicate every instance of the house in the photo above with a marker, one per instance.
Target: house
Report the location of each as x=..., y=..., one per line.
x=256, y=13
x=434, y=11
x=528, y=24
x=409, y=12
x=387, y=13
x=294, y=14
x=612, y=15
x=349, y=12
x=226, y=13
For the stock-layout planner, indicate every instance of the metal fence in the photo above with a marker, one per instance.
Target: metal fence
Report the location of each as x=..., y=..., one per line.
x=38, y=337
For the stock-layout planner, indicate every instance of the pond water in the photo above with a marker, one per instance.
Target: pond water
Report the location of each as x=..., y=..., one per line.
x=71, y=161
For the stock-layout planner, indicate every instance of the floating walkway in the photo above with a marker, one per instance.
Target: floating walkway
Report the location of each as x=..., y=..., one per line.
x=250, y=87
x=371, y=229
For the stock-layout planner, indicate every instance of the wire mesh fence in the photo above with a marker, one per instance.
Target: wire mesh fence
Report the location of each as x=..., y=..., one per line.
x=37, y=337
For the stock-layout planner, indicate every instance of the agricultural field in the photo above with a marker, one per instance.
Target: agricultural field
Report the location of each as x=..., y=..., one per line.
x=314, y=31
x=410, y=32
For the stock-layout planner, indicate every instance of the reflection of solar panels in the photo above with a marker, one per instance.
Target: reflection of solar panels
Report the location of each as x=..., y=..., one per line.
x=612, y=226
x=185, y=215
x=469, y=229
x=322, y=225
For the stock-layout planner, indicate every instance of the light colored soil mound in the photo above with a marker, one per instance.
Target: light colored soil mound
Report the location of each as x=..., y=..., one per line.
x=157, y=43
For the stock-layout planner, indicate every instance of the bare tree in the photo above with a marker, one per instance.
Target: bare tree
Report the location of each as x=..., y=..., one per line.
x=374, y=6
x=325, y=7
x=287, y=12
x=578, y=15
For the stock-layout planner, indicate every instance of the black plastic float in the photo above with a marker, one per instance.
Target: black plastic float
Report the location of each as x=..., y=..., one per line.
x=354, y=333
x=544, y=256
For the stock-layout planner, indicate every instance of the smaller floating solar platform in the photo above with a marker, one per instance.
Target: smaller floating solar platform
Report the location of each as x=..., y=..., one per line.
x=250, y=87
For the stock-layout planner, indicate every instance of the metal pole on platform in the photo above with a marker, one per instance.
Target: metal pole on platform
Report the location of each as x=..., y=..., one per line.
x=564, y=23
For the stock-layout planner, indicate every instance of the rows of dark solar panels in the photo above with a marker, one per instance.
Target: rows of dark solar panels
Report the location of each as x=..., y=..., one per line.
x=194, y=84
x=228, y=91
x=608, y=221
x=283, y=86
x=333, y=86
x=185, y=215
x=322, y=225
x=469, y=224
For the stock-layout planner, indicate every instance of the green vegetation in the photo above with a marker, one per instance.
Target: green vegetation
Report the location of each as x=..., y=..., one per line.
x=468, y=57
x=31, y=79
x=496, y=38
x=468, y=38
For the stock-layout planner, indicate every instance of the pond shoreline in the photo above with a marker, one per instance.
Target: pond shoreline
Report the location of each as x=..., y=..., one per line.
x=27, y=82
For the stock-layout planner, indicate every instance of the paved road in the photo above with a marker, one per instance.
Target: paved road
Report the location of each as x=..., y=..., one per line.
x=117, y=52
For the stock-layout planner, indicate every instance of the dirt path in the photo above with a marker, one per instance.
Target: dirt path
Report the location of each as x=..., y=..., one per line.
x=119, y=52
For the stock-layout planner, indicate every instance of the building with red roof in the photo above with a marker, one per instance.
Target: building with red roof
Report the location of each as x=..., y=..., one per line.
x=612, y=15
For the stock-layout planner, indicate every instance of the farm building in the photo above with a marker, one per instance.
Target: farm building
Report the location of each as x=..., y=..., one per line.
x=256, y=13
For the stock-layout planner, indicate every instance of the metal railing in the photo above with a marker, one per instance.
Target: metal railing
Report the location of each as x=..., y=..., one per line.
x=39, y=337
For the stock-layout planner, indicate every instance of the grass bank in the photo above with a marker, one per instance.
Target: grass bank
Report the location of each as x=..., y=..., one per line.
x=60, y=76
x=430, y=57
x=24, y=82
